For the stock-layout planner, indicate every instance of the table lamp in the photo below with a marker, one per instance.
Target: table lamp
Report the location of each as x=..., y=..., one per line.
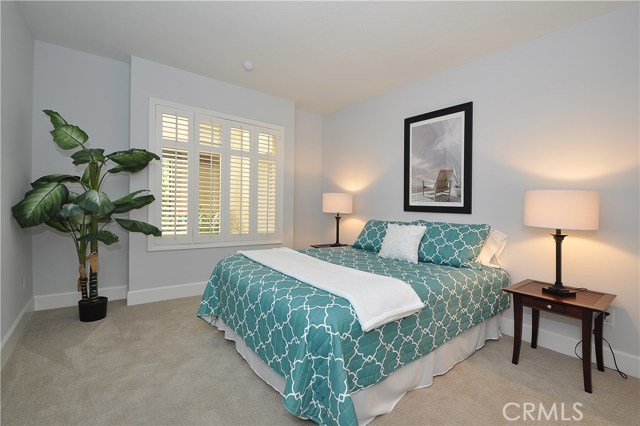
x=335, y=202
x=561, y=209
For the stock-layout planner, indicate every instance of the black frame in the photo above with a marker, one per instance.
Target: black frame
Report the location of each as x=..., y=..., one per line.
x=447, y=203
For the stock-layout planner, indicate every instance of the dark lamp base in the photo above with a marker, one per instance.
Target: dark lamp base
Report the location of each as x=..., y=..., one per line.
x=559, y=291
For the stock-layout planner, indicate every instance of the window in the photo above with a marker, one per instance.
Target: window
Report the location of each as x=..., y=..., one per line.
x=220, y=179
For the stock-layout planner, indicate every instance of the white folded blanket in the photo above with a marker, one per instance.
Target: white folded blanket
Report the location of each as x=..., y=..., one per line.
x=377, y=299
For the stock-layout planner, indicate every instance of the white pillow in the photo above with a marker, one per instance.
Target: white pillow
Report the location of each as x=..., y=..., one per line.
x=492, y=249
x=401, y=242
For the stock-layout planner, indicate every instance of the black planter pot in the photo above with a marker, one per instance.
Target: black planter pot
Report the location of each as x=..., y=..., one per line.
x=92, y=310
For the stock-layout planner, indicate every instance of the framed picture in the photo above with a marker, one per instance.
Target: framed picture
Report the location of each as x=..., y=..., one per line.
x=437, y=160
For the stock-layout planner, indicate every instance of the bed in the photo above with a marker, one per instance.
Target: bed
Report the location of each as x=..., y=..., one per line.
x=308, y=344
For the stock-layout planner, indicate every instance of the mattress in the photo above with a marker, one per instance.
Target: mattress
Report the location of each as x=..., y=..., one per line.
x=312, y=339
x=382, y=397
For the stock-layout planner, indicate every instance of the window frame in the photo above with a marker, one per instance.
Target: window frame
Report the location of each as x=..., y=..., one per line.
x=193, y=239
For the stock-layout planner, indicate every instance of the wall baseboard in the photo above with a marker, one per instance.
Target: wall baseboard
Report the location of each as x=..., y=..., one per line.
x=137, y=297
x=63, y=300
x=10, y=340
x=628, y=363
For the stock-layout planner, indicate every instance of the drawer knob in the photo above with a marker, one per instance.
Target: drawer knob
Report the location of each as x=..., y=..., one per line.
x=548, y=306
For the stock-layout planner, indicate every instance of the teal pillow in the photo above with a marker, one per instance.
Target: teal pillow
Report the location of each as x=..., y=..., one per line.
x=452, y=244
x=373, y=234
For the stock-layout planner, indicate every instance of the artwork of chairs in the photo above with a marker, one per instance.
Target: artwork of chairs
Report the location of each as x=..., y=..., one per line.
x=441, y=188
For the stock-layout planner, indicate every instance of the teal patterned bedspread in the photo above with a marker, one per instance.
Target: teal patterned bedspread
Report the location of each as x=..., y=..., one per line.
x=313, y=339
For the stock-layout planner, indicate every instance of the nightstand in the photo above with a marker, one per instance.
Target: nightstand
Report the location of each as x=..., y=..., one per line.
x=583, y=306
x=328, y=245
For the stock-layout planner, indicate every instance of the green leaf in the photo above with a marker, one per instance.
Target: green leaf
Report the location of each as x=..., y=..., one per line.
x=131, y=202
x=40, y=205
x=68, y=136
x=88, y=155
x=71, y=197
x=86, y=178
x=56, y=119
x=95, y=202
x=105, y=237
x=71, y=210
x=54, y=178
x=104, y=219
x=132, y=160
x=58, y=225
x=138, y=226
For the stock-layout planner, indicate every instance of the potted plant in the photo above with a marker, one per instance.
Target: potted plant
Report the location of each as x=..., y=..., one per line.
x=85, y=215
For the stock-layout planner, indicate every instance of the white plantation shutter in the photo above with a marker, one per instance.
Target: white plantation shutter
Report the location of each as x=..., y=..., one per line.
x=240, y=139
x=175, y=188
x=266, y=144
x=209, y=194
x=210, y=133
x=239, y=195
x=221, y=179
x=175, y=127
x=174, y=131
x=267, y=184
x=209, y=176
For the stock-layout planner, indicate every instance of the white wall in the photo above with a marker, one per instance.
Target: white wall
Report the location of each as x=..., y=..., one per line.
x=93, y=93
x=163, y=274
x=558, y=112
x=15, y=168
x=308, y=181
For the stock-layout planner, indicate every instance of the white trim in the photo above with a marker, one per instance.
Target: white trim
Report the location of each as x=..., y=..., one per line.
x=628, y=363
x=10, y=340
x=63, y=300
x=193, y=239
x=201, y=245
x=165, y=293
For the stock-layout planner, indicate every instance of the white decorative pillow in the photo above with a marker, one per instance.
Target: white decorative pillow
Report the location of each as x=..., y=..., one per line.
x=401, y=242
x=492, y=249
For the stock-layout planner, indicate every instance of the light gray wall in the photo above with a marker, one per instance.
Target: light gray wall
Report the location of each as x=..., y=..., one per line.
x=561, y=111
x=15, y=165
x=307, y=221
x=160, y=269
x=558, y=112
x=93, y=93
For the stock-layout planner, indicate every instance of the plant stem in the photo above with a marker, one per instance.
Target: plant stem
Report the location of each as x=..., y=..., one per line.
x=93, y=284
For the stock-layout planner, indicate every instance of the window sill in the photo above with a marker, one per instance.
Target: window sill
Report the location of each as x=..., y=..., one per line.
x=153, y=246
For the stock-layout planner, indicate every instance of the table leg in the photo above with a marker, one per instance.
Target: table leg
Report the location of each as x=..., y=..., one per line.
x=586, y=349
x=598, y=340
x=517, y=327
x=535, y=322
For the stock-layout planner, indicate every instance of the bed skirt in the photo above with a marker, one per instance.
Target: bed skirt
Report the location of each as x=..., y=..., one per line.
x=382, y=397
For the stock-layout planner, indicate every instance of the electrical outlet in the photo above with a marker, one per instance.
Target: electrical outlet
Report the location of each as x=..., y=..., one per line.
x=24, y=282
x=610, y=319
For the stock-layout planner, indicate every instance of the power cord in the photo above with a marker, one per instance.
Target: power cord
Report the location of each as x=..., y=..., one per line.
x=622, y=374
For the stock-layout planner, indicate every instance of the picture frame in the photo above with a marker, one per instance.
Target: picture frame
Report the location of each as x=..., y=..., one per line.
x=437, y=160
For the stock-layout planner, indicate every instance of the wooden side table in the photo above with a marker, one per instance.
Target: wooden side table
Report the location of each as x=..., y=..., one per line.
x=327, y=245
x=583, y=306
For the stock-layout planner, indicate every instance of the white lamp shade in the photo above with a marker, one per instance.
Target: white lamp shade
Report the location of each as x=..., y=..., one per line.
x=562, y=209
x=335, y=202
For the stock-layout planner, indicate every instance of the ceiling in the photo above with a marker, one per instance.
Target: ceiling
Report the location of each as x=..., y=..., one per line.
x=323, y=55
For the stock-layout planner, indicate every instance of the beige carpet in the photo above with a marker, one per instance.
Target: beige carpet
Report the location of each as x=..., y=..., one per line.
x=157, y=364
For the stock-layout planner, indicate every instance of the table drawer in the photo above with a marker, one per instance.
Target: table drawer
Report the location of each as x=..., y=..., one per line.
x=551, y=306
x=545, y=305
